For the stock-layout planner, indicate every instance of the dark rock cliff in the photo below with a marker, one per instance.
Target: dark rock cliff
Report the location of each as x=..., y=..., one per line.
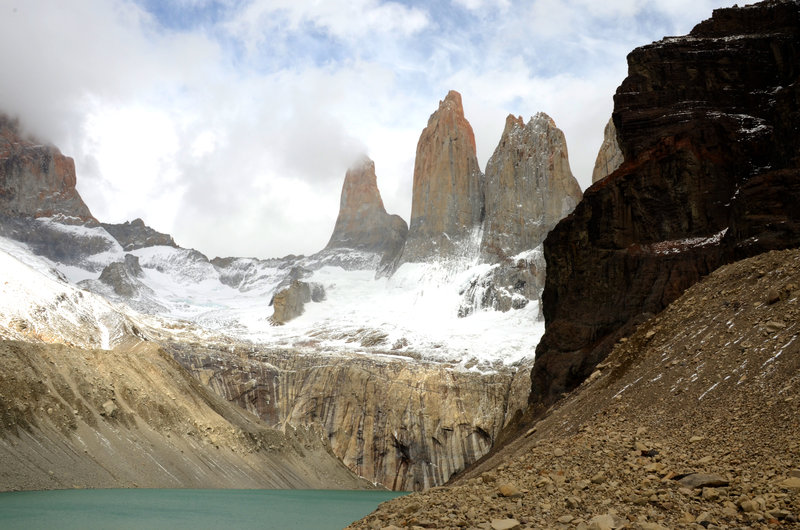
x=709, y=126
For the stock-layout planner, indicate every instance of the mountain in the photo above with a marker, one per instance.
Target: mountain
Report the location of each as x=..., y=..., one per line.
x=362, y=223
x=447, y=199
x=707, y=124
x=528, y=187
x=357, y=357
x=689, y=423
x=609, y=158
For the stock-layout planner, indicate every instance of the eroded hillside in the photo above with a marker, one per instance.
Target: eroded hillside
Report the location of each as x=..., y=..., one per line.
x=132, y=417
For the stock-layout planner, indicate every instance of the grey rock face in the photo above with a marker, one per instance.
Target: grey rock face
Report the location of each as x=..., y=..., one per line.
x=529, y=187
x=135, y=234
x=447, y=201
x=121, y=276
x=508, y=285
x=363, y=224
x=609, y=158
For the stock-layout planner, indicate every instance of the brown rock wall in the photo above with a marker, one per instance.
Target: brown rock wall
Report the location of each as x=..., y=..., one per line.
x=708, y=125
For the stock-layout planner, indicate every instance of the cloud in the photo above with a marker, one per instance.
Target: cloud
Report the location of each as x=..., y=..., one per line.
x=231, y=123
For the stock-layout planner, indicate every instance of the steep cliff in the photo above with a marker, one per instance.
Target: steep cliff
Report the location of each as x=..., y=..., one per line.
x=36, y=180
x=609, y=157
x=528, y=187
x=447, y=200
x=363, y=224
x=406, y=424
x=708, y=125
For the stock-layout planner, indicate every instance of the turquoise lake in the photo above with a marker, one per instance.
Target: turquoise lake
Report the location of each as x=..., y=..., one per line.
x=194, y=509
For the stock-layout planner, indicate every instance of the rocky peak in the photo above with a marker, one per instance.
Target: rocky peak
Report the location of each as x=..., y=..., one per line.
x=447, y=200
x=135, y=234
x=528, y=187
x=363, y=223
x=36, y=180
x=609, y=158
x=708, y=125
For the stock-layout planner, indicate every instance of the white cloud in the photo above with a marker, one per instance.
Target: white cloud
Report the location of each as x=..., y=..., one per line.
x=234, y=132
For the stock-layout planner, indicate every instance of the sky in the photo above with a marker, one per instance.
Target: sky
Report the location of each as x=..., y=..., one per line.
x=230, y=124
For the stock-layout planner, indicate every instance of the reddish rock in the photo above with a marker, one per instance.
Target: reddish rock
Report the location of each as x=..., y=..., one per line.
x=36, y=180
x=709, y=126
x=447, y=201
x=363, y=223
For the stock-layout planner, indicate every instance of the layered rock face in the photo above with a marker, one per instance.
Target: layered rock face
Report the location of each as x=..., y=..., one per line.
x=405, y=424
x=36, y=180
x=708, y=126
x=609, y=158
x=529, y=187
x=447, y=200
x=363, y=223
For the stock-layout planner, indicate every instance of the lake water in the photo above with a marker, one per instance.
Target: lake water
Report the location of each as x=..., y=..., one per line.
x=190, y=509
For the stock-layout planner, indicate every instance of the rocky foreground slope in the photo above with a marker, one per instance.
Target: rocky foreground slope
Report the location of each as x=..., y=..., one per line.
x=693, y=421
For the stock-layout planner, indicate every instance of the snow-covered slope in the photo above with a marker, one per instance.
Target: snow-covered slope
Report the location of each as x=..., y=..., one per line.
x=37, y=303
x=414, y=313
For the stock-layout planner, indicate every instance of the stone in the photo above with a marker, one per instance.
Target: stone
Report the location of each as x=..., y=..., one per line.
x=710, y=494
x=609, y=158
x=447, y=195
x=711, y=174
x=109, y=408
x=651, y=526
x=528, y=187
x=558, y=452
x=509, y=490
x=362, y=223
x=603, y=522
x=564, y=519
x=773, y=296
x=703, y=480
x=792, y=483
x=504, y=524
